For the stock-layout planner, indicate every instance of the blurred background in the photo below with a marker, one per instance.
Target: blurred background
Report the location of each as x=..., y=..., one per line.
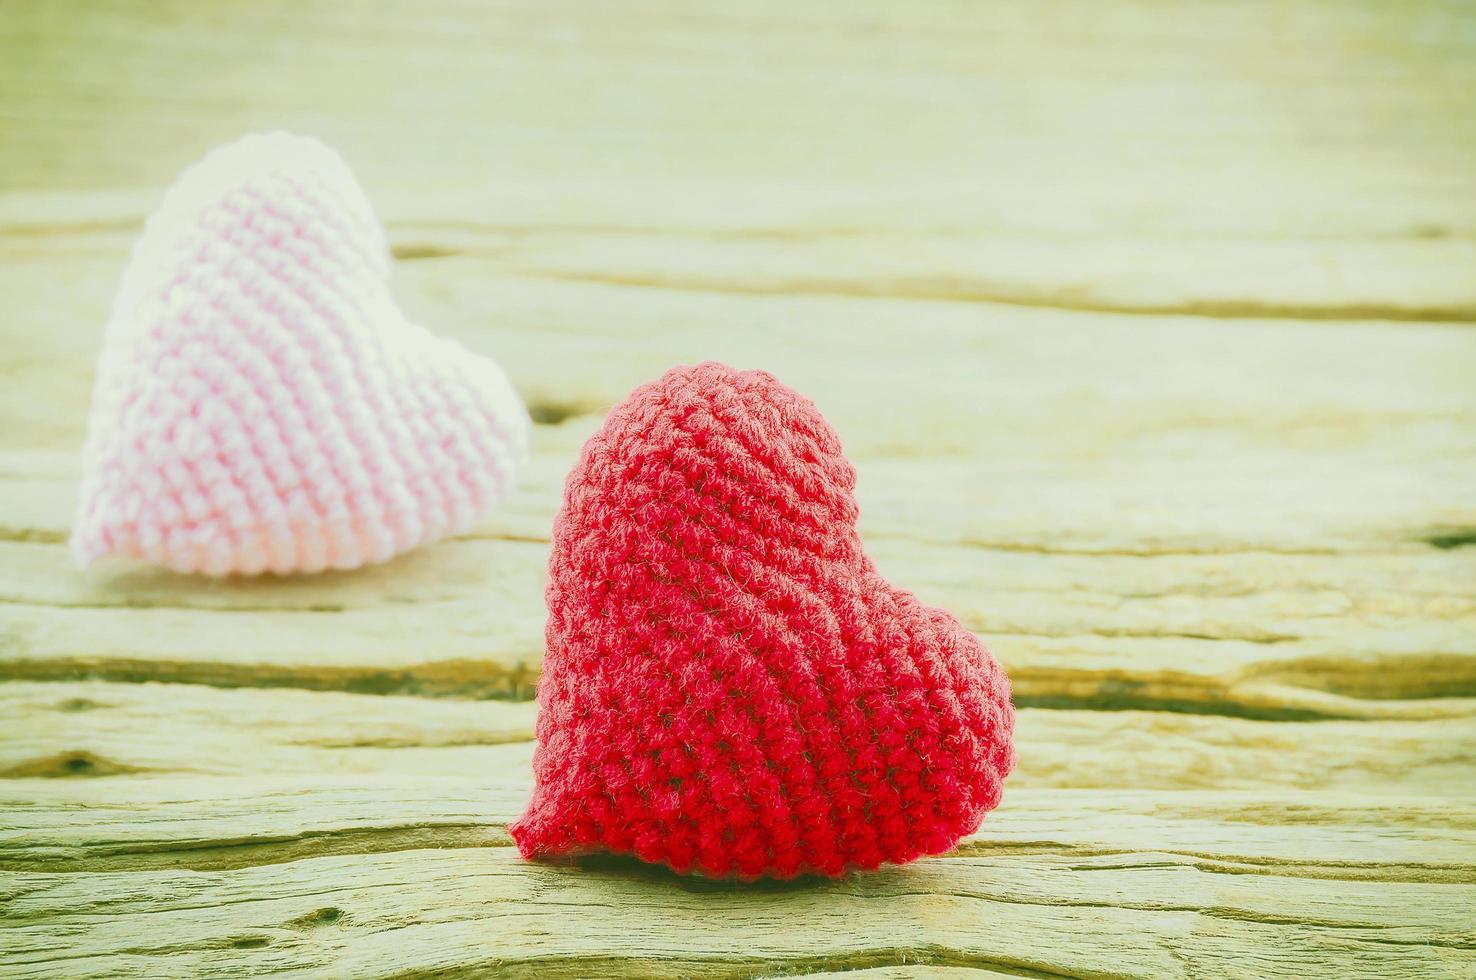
x=1274, y=158
x=1147, y=324
x=1199, y=225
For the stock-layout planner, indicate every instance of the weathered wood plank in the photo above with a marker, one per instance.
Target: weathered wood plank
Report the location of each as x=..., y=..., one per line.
x=1418, y=274
x=1264, y=158
x=474, y=651
x=146, y=822
x=207, y=824
x=1005, y=381
x=1370, y=626
x=480, y=909
x=1073, y=649
x=82, y=730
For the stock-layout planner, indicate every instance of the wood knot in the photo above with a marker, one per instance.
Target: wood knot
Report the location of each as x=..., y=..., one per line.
x=250, y=942
x=317, y=918
x=552, y=411
x=1447, y=539
x=67, y=765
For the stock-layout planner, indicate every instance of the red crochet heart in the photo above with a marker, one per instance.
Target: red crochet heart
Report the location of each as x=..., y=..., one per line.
x=729, y=684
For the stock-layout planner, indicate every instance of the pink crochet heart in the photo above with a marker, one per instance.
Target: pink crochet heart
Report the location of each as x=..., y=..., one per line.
x=262, y=404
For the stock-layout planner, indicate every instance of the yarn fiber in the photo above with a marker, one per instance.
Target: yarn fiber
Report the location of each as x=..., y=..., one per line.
x=729, y=685
x=262, y=404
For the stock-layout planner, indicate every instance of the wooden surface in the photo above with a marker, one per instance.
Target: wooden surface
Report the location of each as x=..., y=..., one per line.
x=1148, y=326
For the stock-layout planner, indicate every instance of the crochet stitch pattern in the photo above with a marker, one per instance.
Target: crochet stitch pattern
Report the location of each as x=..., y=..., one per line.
x=729, y=684
x=262, y=404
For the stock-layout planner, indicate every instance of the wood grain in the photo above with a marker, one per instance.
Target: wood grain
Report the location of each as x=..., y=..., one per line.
x=1147, y=326
x=79, y=731
x=1308, y=158
x=480, y=910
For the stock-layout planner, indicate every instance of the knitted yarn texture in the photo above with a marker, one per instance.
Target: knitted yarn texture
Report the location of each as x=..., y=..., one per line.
x=729, y=685
x=262, y=404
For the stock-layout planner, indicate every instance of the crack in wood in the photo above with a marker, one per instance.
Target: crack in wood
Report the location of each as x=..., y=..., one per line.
x=1063, y=299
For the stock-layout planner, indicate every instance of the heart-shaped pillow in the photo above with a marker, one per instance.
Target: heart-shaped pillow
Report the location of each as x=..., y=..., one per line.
x=261, y=403
x=729, y=684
